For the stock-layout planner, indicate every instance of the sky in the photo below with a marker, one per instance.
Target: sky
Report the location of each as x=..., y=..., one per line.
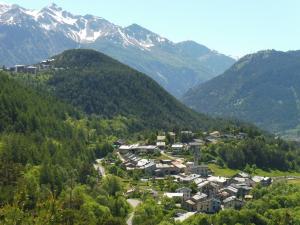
x=232, y=27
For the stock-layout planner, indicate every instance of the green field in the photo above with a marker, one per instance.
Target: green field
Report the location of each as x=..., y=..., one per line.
x=295, y=182
x=226, y=172
x=276, y=173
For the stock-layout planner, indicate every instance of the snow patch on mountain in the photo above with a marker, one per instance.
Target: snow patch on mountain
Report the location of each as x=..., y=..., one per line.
x=82, y=29
x=4, y=7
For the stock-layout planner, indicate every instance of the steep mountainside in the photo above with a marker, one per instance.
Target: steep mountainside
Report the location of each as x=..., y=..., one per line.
x=263, y=88
x=101, y=85
x=46, y=151
x=49, y=31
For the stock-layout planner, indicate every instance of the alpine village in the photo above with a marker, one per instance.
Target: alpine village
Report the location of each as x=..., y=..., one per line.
x=92, y=133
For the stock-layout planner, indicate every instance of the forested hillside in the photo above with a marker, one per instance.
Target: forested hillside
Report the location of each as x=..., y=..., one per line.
x=101, y=85
x=261, y=88
x=46, y=173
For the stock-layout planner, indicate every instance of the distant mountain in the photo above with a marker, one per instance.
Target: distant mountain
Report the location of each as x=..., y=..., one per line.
x=28, y=36
x=263, y=88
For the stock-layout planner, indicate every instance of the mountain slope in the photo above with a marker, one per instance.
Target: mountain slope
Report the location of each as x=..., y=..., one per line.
x=46, y=151
x=101, y=85
x=51, y=30
x=263, y=88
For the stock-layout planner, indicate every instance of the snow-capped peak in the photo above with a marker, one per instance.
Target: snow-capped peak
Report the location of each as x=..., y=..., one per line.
x=55, y=7
x=4, y=7
x=82, y=29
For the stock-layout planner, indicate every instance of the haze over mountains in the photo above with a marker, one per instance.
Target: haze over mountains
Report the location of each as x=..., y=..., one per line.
x=261, y=88
x=28, y=36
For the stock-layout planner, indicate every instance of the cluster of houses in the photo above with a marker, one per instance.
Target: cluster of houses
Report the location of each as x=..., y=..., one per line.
x=130, y=156
x=216, y=193
x=30, y=69
x=213, y=192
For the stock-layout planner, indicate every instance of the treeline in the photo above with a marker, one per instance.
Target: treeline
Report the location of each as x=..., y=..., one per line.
x=260, y=151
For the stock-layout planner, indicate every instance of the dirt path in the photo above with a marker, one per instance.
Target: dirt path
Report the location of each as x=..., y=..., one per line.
x=134, y=203
x=98, y=166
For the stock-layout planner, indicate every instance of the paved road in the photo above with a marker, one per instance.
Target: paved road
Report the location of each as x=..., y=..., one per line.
x=134, y=203
x=98, y=166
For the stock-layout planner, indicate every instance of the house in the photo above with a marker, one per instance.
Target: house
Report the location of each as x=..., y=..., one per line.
x=192, y=168
x=188, y=179
x=166, y=161
x=243, y=189
x=123, y=149
x=187, y=132
x=181, y=167
x=199, y=141
x=161, y=144
x=31, y=69
x=198, y=197
x=221, y=181
x=215, y=134
x=165, y=169
x=241, y=181
x=161, y=138
x=150, y=167
x=119, y=143
x=190, y=205
x=242, y=175
x=177, y=148
x=201, y=184
x=223, y=195
x=264, y=181
x=19, y=68
x=248, y=197
x=211, y=205
x=172, y=136
x=147, y=149
x=211, y=140
x=232, y=191
x=199, y=180
x=176, y=196
x=233, y=202
x=209, y=188
x=186, y=136
x=185, y=191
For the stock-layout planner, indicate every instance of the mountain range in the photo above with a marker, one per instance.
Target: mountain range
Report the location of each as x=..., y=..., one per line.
x=29, y=36
x=262, y=88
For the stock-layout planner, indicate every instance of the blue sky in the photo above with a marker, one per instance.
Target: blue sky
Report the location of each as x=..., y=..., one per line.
x=233, y=27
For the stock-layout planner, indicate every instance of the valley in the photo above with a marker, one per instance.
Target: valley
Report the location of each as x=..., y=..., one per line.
x=127, y=119
x=97, y=156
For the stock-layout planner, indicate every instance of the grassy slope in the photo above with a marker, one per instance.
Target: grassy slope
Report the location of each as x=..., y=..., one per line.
x=226, y=172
